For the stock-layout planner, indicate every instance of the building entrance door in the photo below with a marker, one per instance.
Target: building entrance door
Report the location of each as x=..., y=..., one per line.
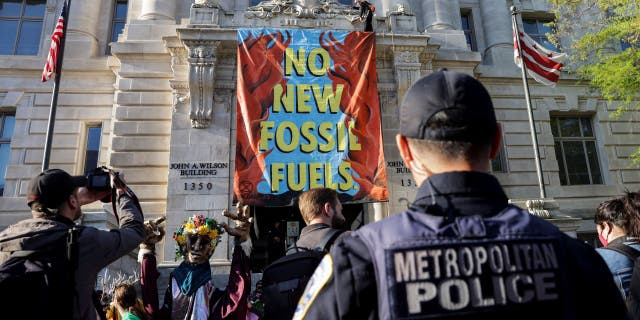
x=277, y=228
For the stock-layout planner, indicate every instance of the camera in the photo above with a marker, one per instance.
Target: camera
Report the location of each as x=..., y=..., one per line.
x=99, y=179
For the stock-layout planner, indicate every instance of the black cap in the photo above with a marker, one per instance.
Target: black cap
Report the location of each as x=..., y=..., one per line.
x=52, y=187
x=473, y=119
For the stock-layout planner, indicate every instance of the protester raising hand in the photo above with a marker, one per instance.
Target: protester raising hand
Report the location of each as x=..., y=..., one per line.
x=242, y=222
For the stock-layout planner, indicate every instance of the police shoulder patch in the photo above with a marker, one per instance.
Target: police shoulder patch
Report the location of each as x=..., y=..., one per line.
x=320, y=277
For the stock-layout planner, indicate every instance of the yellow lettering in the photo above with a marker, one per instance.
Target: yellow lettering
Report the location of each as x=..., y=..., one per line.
x=281, y=98
x=292, y=61
x=277, y=176
x=324, y=130
x=328, y=176
x=325, y=61
x=307, y=133
x=342, y=141
x=314, y=175
x=291, y=176
x=281, y=144
x=344, y=171
x=353, y=140
x=303, y=98
x=328, y=97
x=265, y=135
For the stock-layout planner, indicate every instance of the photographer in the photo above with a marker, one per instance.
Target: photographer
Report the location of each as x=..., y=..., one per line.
x=55, y=199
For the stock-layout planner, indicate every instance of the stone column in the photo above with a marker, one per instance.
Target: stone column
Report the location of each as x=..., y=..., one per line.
x=454, y=13
x=496, y=20
x=381, y=210
x=202, y=62
x=438, y=14
x=158, y=10
x=83, y=29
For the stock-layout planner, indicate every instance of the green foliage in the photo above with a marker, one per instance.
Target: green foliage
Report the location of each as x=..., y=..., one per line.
x=601, y=38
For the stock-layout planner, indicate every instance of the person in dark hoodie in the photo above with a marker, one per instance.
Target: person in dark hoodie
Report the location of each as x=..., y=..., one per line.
x=55, y=199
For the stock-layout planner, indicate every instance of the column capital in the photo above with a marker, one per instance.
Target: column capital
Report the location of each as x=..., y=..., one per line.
x=202, y=51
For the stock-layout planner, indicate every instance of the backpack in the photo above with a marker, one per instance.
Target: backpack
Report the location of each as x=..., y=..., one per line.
x=40, y=284
x=633, y=298
x=284, y=280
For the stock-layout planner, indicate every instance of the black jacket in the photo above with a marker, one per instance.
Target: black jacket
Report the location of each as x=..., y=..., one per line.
x=311, y=235
x=347, y=287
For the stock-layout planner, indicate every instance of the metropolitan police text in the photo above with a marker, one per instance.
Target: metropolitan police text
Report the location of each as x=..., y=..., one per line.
x=474, y=276
x=309, y=136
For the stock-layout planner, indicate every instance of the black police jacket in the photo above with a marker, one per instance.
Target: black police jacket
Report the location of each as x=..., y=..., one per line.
x=461, y=251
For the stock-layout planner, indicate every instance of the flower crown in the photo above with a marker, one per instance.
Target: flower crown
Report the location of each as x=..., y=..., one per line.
x=197, y=225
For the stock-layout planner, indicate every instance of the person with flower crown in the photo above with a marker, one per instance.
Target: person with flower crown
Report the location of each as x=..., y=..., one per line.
x=191, y=294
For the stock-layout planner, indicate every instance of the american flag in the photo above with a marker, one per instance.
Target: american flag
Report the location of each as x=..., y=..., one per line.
x=542, y=64
x=52, y=59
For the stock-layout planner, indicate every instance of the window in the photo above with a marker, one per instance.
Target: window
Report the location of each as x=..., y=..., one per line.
x=118, y=20
x=537, y=30
x=499, y=164
x=467, y=27
x=7, y=122
x=92, y=148
x=21, y=26
x=575, y=146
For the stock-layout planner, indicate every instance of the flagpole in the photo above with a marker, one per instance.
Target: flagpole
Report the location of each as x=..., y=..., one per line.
x=56, y=88
x=534, y=137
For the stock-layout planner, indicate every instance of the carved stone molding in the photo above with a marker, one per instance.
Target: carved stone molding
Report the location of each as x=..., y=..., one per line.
x=224, y=98
x=543, y=208
x=537, y=208
x=401, y=9
x=178, y=56
x=408, y=61
x=406, y=65
x=205, y=4
x=310, y=9
x=181, y=95
x=406, y=57
x=202, y=63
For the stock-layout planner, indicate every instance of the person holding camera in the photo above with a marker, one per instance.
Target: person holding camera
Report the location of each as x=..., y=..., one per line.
x=51, y=239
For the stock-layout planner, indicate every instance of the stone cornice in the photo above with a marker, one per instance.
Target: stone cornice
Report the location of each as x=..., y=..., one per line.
x=226, y=85
x=309, y=9
x=395, y=39
x=205, y=4
x=387, y=87
x=219, y=34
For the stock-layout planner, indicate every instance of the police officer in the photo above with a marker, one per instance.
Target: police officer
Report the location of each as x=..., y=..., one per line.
x=460, y=250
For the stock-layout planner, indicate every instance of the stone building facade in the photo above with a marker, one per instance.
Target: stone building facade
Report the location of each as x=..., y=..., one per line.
x=162, y=95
